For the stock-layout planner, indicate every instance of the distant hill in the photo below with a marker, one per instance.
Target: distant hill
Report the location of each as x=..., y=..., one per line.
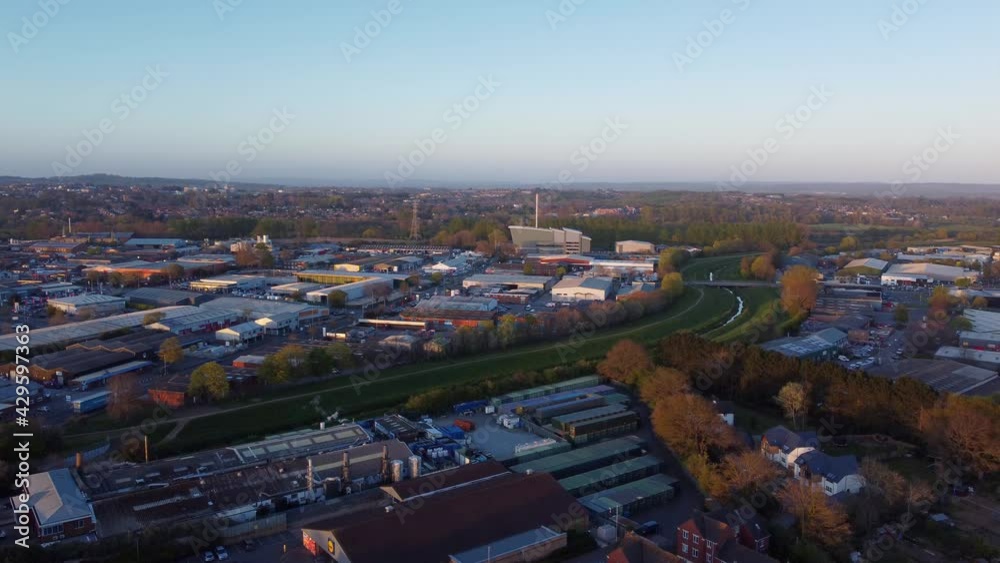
x=855, y=189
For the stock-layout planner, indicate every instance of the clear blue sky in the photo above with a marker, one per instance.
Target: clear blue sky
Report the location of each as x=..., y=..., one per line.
x=558, y=85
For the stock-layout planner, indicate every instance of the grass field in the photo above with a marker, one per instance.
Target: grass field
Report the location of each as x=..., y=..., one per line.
x=698, y=309
x=724, y=267
x=758, y=304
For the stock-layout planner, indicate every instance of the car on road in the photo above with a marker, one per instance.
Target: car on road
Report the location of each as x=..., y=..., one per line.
x=221, y=553
x=208, y=556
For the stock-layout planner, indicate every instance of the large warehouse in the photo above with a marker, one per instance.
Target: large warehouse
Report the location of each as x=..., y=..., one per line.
x=509, y=281
x=634, y=247
x=547, y=241
x=88, y=304
x=924, y=273
x=457, y=311
x=572, y=288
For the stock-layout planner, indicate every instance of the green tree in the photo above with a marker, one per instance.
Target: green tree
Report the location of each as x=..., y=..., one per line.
x=672, y=285
x=848, y=244
x=341, y=355
x=901, y=314
x=152, y=318
x=507, y=330
x=209, y=380
x=794, y=400
x=437, y=278
x=318, y=362
x=171, y=351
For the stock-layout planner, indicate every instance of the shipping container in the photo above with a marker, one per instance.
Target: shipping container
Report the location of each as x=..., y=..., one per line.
x=465, y=425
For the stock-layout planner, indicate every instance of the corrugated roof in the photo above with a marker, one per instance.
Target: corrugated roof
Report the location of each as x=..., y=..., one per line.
x=56, y=498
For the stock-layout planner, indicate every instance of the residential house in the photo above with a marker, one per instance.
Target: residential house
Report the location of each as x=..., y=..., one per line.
x=637, y=549
x=711, y=538
x=784, y=446
x=834, y=475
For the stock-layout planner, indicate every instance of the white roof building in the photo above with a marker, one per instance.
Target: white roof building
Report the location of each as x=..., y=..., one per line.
x=573, y=288
x=925, y=272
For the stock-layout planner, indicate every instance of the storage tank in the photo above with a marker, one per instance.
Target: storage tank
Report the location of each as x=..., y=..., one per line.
x=414, y=466
x=396, y=470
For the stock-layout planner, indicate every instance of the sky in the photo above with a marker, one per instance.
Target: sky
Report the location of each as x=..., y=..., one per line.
x=399, y=92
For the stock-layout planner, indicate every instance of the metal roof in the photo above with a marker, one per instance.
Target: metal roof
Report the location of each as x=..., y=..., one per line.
x=56, y=498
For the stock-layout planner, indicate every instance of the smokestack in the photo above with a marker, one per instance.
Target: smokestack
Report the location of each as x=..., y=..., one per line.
x=309, y=476
x=385, y=463
x=347, y=469
x=79, y=460
x=536, y=209
x=146, y=447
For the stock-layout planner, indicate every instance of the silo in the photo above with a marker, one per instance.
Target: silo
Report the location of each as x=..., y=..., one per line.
x=414, y=466
x=397, y=470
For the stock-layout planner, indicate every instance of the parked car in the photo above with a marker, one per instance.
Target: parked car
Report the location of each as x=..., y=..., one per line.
x=208, y=556
x=221, y=553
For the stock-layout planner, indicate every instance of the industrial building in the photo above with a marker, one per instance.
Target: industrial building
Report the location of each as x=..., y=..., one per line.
x=509, y=281
x=572, y=289
x=352, y=291
x=925, y=273
x=983, y=321
x=57, y=507
x=624, y=471
x=634, y=247
x=559, y=241
x=240, y=333
x=453, y=524
x=229, y=283
x=982, y=358
x=276, y=317
x=455, y=311
x=296, y=289
x=89, y=304
x=631, y=497
x=822, y=345
x=161, y=297
x=198, y=320
x=584, y=459
x=544, y=390
x=589, y=425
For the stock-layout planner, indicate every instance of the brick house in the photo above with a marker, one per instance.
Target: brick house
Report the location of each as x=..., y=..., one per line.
x=56, y=506
x=708, y=538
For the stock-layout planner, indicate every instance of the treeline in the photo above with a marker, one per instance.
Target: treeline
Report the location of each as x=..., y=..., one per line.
x=566, y=321
x=723, y=237
x=962, y=429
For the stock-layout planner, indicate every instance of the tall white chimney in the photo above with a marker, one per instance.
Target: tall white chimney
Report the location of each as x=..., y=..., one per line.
x=536, y=210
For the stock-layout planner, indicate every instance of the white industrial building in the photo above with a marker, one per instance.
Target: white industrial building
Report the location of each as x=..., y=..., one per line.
x=925, y=273
x=91, y=303
x=237, y=334
x=353, y=291
x=634, y=247
x=573, y=288
x=274, y=316
x=230, y=283
x=200, y=320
